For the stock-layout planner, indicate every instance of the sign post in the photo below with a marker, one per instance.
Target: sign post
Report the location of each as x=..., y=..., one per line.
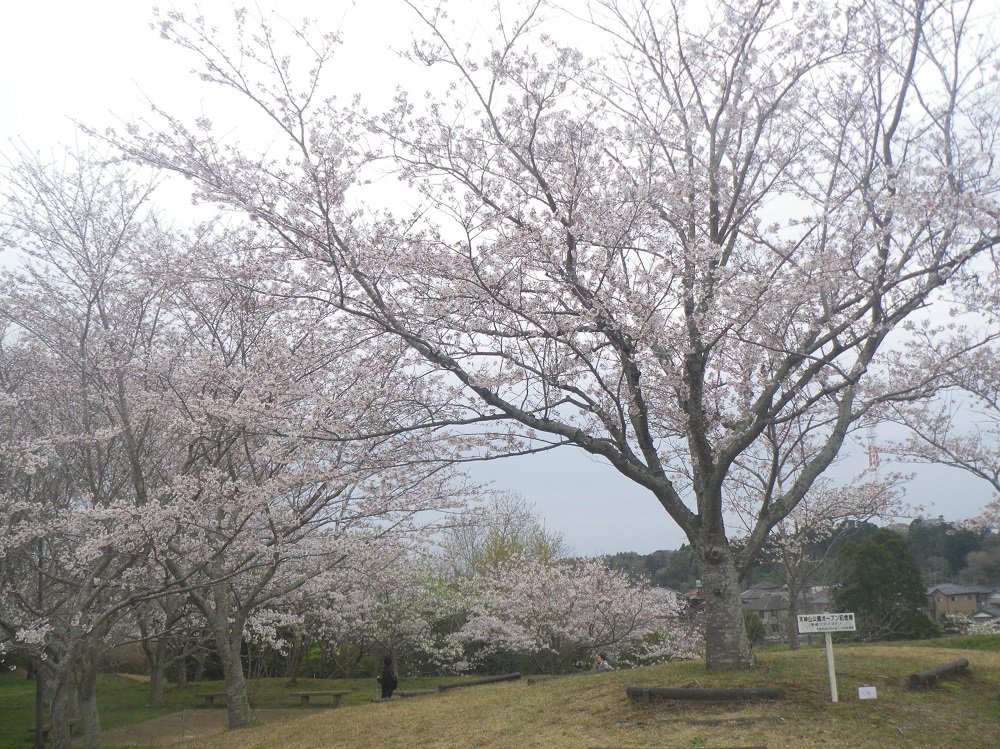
x=827, y=623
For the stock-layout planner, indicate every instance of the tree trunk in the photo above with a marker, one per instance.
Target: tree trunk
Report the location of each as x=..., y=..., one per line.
x=59, y=711
x=39, y=673
x=726, y=642
x=237, y=700
x=156, y=658
x=295, y=661
x=182, y=671
x=199, y=662
x=228, y=638
x=86, y=693
x=792, y=622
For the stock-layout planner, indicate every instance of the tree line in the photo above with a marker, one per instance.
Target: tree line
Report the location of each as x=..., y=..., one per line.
x=944, y=552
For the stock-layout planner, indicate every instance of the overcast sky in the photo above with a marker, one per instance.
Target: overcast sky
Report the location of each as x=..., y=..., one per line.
x=67, y=60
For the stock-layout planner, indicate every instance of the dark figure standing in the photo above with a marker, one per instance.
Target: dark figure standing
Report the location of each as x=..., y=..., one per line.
x=388, y=678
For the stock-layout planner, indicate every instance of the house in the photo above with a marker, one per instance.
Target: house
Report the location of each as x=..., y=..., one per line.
x=669, y=594
x=772, y=608
x=947, y=599
x=989, y=615
x=770, y=602
x=695, y=597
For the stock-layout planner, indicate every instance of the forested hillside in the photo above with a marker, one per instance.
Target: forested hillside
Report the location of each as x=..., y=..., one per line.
x=944, y=551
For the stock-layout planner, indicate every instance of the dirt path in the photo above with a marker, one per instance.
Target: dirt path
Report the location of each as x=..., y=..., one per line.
x=183, y=725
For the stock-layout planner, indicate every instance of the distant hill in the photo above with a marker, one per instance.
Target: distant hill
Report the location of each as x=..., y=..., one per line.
x=945, y=552
x=668, y=569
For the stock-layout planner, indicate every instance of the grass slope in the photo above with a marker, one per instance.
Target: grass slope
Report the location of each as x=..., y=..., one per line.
x=592, y=711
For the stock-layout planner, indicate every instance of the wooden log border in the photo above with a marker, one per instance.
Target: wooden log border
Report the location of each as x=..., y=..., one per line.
x=477, y=682
x=929, y=678
x=407, y=693
x=755, y=694
x=554, y=677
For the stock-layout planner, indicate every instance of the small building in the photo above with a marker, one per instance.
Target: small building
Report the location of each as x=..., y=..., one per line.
x=947, y=599
x=669, y=594
x=770, y=602
x=987, y=615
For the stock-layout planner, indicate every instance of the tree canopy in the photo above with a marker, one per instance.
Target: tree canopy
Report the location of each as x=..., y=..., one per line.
x=683, y=250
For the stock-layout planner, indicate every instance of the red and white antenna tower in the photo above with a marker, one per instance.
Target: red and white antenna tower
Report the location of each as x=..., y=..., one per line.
x=874, y=461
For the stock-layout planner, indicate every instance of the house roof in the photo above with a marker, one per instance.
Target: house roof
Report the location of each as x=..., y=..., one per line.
x=950, y=589
x=779, y=601
x=987, y=613
x=771, y=592
x=767, y=603
x=761, y=589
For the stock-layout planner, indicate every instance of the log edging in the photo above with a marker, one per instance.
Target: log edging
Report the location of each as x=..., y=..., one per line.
x=477, y=682
x=928, y=678
x=704, y=695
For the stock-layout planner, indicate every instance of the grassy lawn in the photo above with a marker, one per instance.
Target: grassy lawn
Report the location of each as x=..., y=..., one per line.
x=592, y=710
x=122, y=700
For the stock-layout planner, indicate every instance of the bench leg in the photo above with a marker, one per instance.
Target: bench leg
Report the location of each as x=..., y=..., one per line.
x=304, y=700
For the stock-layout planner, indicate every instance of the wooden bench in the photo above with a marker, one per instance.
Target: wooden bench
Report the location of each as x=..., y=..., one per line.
x=209, y=697
x=304, y=696
x=929, y=677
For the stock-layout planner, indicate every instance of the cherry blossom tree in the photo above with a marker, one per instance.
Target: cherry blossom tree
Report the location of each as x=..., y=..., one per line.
x=803, y=542
x=712, y=225
x=960, y=426
x=558, y=614
x=298, y=453
x=178, y=429
x=75, y=314
x=413, y=614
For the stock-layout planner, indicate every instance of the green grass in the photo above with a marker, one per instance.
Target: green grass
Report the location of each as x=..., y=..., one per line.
x=122, y=700
x=592, y=710
x=968, y=642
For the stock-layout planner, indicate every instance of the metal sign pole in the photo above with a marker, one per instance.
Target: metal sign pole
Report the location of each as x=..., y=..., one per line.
x=830, y=667
x=827, y=624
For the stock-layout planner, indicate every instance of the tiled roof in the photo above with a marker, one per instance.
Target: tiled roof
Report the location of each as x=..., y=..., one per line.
x=987, y=612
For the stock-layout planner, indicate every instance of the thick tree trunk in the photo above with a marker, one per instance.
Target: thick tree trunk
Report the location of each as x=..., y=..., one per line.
x=156, y=662
x=59, y=712
x=237, y=700
x=726, y=643
x=40, y=678
x=228, y=638
x=87, y=695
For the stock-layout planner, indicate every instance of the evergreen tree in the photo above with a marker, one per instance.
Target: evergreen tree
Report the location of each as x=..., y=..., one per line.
x=880, y=582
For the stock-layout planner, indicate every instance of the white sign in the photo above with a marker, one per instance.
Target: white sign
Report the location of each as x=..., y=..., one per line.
x=866, y=693
x=810, y=623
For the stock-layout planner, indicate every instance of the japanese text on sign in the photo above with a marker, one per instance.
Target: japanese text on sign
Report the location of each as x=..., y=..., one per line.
x=809, y=623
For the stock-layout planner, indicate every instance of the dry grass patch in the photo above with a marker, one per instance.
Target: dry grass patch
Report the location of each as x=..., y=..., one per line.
x=593, y=711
